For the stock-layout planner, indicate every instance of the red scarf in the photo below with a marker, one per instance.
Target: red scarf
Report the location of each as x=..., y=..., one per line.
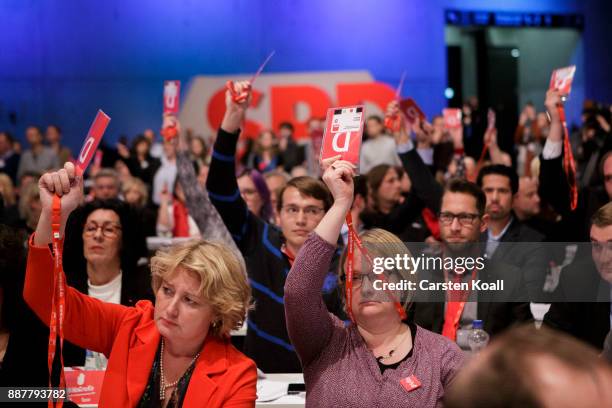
x=181, y=220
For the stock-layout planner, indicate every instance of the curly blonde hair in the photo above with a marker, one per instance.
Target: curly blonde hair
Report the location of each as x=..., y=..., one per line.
x=223, y=281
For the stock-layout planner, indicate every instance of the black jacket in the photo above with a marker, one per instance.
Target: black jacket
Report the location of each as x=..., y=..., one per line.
x=587, y=321
x=519, y=247
x=497, y=310
x=405, y=220
x=267, y=341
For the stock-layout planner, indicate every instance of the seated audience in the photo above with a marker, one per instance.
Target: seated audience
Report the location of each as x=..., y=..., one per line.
x=173, y=218
x=379, y=147
x=106, y=184
x=255, y=193
x=9, y=159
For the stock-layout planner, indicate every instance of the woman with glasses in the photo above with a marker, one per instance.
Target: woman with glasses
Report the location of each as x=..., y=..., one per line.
x=176, y=353
x=102, y=251
x=380, y=359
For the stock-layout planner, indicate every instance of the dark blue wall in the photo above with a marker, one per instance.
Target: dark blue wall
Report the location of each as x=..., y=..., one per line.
x=61, y=60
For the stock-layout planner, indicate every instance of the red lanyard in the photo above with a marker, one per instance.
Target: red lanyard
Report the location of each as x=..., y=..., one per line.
x=353, y=239
x=569, y=166
x=454, y=309
x=58, y=302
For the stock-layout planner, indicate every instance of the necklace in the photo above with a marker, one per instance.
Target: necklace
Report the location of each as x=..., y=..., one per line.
x=162, y=378
x=390, y=353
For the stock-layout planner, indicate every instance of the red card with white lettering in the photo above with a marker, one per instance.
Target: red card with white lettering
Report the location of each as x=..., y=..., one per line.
x=452, y=118
x=84, y=386
x=172, y=93
x=410, y=383
x=96, y=131
x=562, y=79
x=343, y=133
x=411, y=110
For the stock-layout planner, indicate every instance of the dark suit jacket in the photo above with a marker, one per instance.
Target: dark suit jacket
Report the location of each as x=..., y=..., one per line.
x=497, y=310
x=587, y=321
x=517, y=249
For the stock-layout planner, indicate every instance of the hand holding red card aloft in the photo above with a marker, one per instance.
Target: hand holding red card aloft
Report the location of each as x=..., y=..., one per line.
x=452, y=118
x=172, y=92
x=562, y=79
x=412, y=111
x=343, y=133
x=94, y=136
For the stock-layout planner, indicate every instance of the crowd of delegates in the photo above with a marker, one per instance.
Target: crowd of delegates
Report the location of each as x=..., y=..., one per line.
x=268, y=250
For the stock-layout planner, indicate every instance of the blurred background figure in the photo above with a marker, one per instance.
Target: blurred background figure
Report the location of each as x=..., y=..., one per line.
x=53, y=136
x=173, y=218
x=255, y=193
x=530, y=368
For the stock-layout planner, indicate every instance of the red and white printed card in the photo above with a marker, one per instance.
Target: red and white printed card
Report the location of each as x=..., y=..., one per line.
x=452, y=118
x=343, y=133
x=94, y=136
x=562, y=79
x=410, y=108
x=172, y=93
x=84, y=386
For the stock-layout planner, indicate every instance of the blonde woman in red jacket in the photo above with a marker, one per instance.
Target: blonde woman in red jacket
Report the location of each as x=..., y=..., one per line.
x=171, y=354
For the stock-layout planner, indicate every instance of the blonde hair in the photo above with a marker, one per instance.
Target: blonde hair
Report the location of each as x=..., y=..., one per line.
x=379, y=243
x=7, y=190
x=603, y=217
x=31, y=192
x=138, y=185
x=223, y=281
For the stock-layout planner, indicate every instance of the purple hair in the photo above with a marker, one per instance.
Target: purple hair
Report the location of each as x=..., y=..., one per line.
x=262, y=189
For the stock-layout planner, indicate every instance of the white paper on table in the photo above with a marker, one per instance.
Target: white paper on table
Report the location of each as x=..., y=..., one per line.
x=271, y=390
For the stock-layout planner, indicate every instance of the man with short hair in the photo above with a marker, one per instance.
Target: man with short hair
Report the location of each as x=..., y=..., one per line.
x=526, y=203
x=53, y=135
x=462, y=220
x=582, y=304
x=508, y=239
x=292, y=154
x=268, y=251
x=106, y=184
x=38, y=158
x=530, y=368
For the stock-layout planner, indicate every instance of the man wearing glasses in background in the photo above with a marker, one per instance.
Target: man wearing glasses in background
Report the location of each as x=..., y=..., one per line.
x=462, y=220
x=267, y=250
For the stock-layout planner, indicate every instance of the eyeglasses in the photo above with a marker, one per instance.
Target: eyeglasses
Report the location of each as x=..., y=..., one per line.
x=108, y=230
x=310, y=211
x=465, y=219
x=358, y=278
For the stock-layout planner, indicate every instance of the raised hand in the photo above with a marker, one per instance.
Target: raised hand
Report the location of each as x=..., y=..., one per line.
x=63, y=183
x=235, y=108
x=338, y=177
x=552, y=101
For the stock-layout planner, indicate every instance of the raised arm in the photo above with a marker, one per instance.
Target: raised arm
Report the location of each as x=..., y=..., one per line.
x=221, y=184
x=553, y=186
x=201, y=209
x=83, y=314
x=309, y=324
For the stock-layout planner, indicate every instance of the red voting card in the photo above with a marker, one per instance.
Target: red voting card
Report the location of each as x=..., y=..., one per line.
x=96, y=131
x=172, y=91
x=410, y=383
x=343, y=133
x=411, y=110
x=84, y=386
x=562, y=78
x=452, y=118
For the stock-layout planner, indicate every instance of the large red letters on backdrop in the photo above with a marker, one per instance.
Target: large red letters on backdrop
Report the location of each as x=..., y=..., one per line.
x=283, y=100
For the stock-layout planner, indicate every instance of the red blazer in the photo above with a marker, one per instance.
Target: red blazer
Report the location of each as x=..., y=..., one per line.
x=222, y=377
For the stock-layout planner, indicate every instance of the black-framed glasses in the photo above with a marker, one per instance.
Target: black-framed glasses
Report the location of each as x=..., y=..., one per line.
x=465, y=219
x=109, y=230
